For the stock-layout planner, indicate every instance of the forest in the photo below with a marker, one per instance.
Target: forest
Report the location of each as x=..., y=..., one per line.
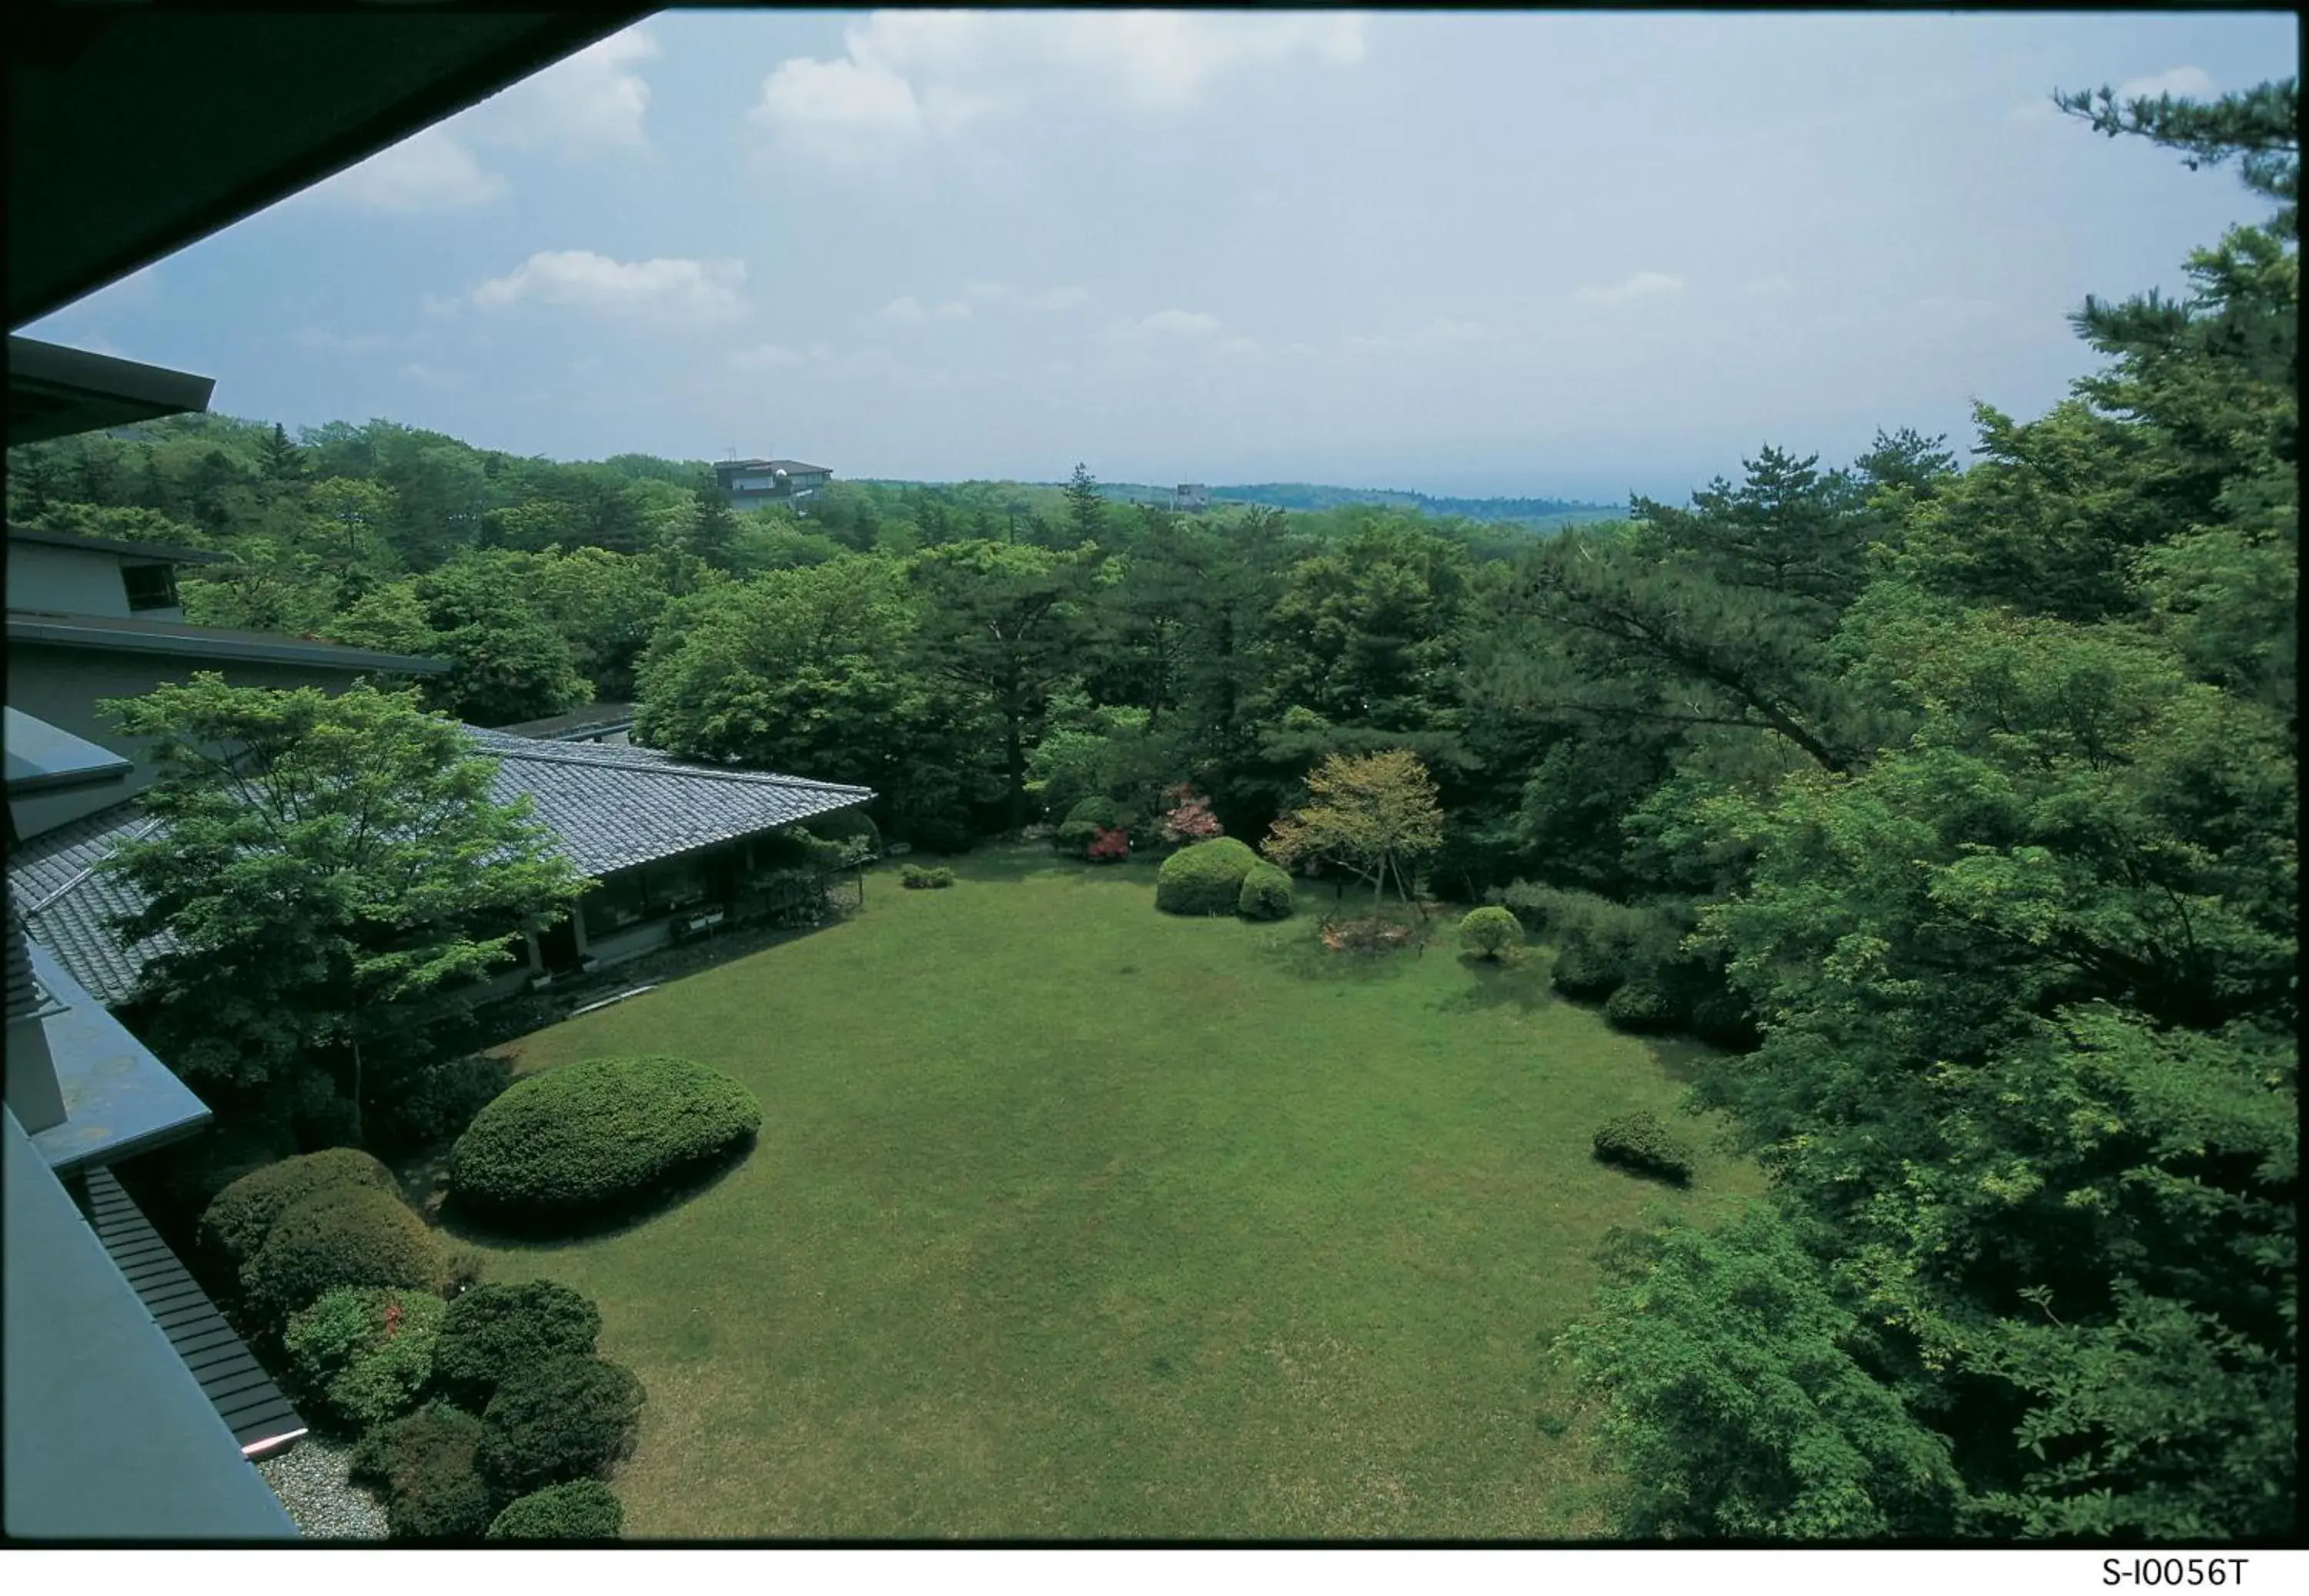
x=1955, y=804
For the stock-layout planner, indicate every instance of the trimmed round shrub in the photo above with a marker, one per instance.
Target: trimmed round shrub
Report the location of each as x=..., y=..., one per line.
x=427, y=1467
x=1265, y=894
x=243, y=1213
x=1204, y=877
x=367, y=1353
x=563, y=1419
x=1642, y=1007
x=1585, y=974
x=573, y=1510
x=926, y=876
x=1641, y=1143
x=491, y=1330
x=354, y=1237
x=599, y=1136
x=1490, y=931
x=1084, y=822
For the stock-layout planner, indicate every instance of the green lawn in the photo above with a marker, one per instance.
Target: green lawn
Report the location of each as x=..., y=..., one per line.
x=1070, y=1219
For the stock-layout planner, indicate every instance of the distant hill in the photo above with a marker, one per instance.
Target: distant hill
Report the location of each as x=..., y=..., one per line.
x=1316, y=496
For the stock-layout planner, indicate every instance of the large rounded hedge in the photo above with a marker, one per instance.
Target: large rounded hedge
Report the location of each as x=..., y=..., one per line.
x=575, y=1510
x=353, y=1236
x=1084, y=822
x=598, y=1137
x=243, y=1213
x=493, y=1331
x=1204, y=877
x=563, y=1419
x=1265, y=894
x=427, y=1467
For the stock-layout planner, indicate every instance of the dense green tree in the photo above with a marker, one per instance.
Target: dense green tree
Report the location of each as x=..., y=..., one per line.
x=1086, y=508
x=318, y=859
x=1003, y=622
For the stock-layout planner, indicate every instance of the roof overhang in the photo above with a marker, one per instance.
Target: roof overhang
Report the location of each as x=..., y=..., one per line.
x=183, y=642
x=44, y=758
x=120, y=546
x=135, y=129
x=55, y=391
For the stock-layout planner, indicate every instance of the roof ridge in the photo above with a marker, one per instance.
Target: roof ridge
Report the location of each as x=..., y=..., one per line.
x=545, y=753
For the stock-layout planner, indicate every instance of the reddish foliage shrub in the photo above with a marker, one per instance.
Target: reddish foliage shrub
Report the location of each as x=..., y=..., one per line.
x=1109, y=845
x=1190, y=819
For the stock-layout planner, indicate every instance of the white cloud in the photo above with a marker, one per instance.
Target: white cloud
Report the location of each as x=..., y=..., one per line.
x=665, y=289
x=429, y=170
x=908, y=75
x=320, y=340
x=1178, y=323
x=1643, y=285
x=904, y=310
x=2184, y=83
x=767, y=356
x=588, y=104
x=1443, y=333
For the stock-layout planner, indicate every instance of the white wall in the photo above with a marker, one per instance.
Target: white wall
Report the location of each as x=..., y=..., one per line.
x=73, y=580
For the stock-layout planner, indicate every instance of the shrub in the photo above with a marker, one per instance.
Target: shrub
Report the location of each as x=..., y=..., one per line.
x=366, y=1353
x=427, y=1466
x=599, y=1135
x=1265, y=894
x=1109, y=847
x=1190, y=819
x=433, y=1104
x=1640, y=1142
x=1585, y=973
x=1640, y=1006
x=465, y=1266
x=244, y=1212
x=356, y=1235
x=1722, y=1021
x=563, y=1419
x=1084, y=822
x=1204, y=877
x=853, y=831
x=1490, y=931
x=491, y=1330
x=926, y=876
x=573, y=1510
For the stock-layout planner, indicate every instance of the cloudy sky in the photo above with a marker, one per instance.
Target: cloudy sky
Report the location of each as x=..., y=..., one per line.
x=1567, y=254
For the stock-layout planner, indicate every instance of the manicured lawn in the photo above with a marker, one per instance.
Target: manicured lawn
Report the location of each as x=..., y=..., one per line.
x=1071, y=1219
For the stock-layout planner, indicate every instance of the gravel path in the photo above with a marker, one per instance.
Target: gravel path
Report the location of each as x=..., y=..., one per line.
x=310, y=1480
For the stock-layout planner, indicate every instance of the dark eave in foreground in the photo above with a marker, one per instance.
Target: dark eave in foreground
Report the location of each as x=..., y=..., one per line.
x=134, y=130
x=55, y=391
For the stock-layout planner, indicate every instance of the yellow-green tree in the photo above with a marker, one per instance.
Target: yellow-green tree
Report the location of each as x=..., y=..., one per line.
x=1375, y=814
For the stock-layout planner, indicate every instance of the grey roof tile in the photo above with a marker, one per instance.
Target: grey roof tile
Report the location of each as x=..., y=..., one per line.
x=608, y=808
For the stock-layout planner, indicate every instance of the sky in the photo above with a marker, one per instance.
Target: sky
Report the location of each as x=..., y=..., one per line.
x=1569, y=255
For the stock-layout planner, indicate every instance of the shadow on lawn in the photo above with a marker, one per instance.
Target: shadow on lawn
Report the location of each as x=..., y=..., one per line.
x=1495, y=983
x=551, y=1235
x=1296, y=947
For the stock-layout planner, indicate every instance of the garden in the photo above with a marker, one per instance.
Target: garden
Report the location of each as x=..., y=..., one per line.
x=1064, y=1216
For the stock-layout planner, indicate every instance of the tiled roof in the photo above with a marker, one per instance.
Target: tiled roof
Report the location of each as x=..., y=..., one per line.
x=608, y=808
x=614, y=807
x=69, y=904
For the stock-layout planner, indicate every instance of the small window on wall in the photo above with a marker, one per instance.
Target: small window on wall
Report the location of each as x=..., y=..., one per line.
x=150, y=587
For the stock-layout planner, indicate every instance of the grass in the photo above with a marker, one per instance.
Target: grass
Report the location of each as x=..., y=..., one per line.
x=1068, y=1219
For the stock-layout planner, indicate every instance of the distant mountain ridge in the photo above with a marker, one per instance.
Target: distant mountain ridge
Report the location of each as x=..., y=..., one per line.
x=1316, y=496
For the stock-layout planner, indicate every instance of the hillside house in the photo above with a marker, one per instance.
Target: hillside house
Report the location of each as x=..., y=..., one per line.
x=753, y=483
